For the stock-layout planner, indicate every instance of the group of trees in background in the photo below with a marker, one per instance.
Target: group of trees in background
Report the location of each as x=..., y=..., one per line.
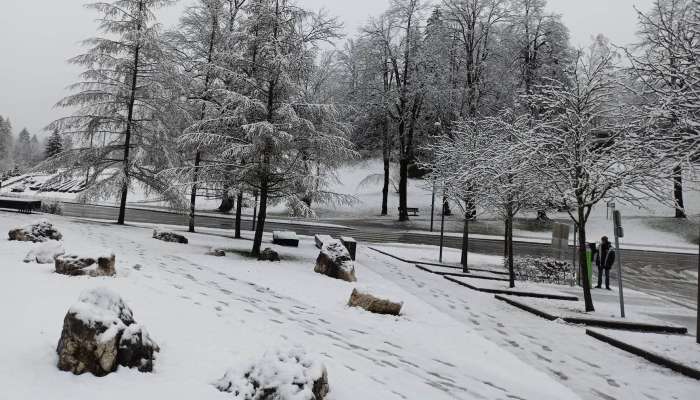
x=19, y=154
x=486, y=95
x=601, y=128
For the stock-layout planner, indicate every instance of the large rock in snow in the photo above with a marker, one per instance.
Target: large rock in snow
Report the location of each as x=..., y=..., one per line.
x=40, y=231
x=99, y=334
x=169, y=237
x=75, y=265
x=278, y=375
x=45, y=253
x=334, y=261
x=374, y=304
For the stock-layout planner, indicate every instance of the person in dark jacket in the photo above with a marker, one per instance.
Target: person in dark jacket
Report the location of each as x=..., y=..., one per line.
x=604, y=259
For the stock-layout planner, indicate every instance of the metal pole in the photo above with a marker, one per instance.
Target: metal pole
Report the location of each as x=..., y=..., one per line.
x=432, y=209
x=697, y=328
x=442, y=226
x=617, y=222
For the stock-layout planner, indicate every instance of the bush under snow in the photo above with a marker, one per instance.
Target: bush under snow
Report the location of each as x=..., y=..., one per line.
x=278, y=375
x=542, y=269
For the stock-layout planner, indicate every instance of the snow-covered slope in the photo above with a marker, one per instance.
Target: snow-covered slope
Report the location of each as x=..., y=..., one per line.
x=209, y=314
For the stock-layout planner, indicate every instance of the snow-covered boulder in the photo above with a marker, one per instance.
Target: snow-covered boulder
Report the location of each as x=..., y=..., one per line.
x=136, y=348
x=45, y=253
x=374, y=304
x=269, y=255
x=216, y=253
x=169, y=237
x=99, y=334
x=39, y=231
x=334, y=261
x=280, y=375
x=74, y=265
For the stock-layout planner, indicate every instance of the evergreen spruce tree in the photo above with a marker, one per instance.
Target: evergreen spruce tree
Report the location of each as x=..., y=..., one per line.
x=23, y=149
x=54, y=145
x=6, y=144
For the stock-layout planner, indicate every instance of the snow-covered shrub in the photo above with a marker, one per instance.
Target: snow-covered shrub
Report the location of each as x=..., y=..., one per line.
x=278, y=375
x=171, y=237
x=52, y=207
x=542, y=269
x=39, y=231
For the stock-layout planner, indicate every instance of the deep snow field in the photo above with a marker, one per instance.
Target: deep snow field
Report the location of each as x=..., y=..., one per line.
x=209, y=314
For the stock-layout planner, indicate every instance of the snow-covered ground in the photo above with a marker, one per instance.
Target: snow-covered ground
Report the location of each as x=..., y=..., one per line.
x=679, y=348
x=209, y=314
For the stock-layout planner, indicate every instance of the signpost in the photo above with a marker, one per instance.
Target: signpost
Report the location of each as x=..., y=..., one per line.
x=609, y=206
x=619, y=232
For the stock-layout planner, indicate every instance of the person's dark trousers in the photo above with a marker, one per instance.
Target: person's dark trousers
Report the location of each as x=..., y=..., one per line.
x=605, y=271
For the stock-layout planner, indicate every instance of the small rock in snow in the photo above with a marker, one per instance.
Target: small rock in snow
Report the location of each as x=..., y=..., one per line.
x=217, y=253
x=45, y=253
x=74, y=265
x=374, y=304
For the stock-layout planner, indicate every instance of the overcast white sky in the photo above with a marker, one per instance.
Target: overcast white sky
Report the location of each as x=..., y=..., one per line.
x=36, y=37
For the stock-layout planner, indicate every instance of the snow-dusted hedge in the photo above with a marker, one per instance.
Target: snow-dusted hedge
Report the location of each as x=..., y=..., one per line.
x=52, y=207
x=542, y=269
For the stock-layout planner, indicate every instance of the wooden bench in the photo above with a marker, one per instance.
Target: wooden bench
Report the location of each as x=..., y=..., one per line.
x=410, y=210
x=22, y=205
x=285, y=238
x=349, y=244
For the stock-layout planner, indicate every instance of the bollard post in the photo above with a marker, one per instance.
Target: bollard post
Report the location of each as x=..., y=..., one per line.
x=442, y=225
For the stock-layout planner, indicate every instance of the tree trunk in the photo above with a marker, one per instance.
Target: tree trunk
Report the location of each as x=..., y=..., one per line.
x=127, y=132
x=260, y=226
x=583, y=264
x=509, y=250
x=403, y=189
x=239, y=211
x=385, y=188
x=465, y=245
x=678, y=191
x=386, y=155
x=193, y=194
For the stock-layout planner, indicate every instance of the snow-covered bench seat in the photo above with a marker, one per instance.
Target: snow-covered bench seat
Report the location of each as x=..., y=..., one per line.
x=285, y=238
x=321, y=239
x=350, y=244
